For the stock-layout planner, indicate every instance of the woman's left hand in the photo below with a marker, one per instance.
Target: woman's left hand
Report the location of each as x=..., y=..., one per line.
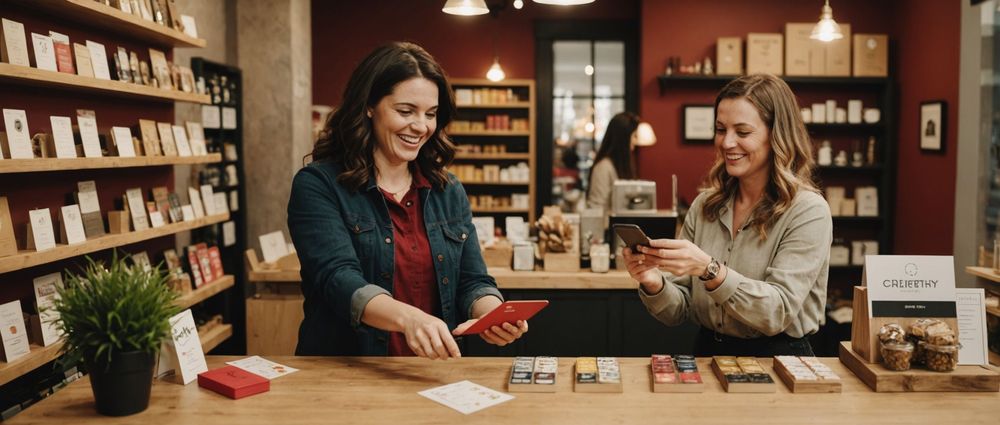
x=497, y=335
x=680, y=257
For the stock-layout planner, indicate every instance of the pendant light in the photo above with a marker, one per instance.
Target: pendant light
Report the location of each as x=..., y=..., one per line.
x=465, y=7
x=826, y=29
x=564, y=2
x=645, y=135
x=496, y=72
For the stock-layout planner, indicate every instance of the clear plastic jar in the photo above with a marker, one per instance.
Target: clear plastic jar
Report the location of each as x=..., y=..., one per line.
x=940, y=358
x=896, y=355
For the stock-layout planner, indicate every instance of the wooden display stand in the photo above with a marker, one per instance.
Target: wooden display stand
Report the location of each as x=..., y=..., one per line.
x=500, y=254
x=862, y=357
x=806, y=386
x=676, y=387
x=274, y=312
x=743, y=387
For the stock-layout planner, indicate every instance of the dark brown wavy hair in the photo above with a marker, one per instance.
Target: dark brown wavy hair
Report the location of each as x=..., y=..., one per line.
x=347, y=137
x=791, y=152
x=617, y=145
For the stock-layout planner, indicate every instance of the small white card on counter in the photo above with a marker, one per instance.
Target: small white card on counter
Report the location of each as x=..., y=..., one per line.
x=72, y=224
x=183, y=353
x=122, y=137
x=46, y=294
x=15, y=121
x=99, y=59
x=12, y=332
x=971, y=303
x=137, y=207
x=466, y=396
x=260, y=366
x=40, y=234
x=273, y=246
x=91, y=141
x=187, y=213
x=208, y=199
x=195, y=198
x=62, y=135
x=181, y=140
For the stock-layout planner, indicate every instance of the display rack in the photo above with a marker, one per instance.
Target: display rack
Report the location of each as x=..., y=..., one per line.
x=993, y=284
x=42, y=182
x=519, y=144
x=224, y=84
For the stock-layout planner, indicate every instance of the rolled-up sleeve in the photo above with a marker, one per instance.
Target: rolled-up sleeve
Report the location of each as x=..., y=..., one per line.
x=330, y=266
x=771, y=305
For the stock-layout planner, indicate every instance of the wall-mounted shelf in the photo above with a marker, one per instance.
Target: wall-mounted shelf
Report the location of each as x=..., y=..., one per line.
x=511, y=105
x=62, y=164
x=497, y=133
x=689, y=80
x=849, y=169
x=844, y=126
x=25, y=259
x=97, y=14
x=499, y=210
x=495, y=184
x=34, y=359
x=494, y=156
x=23, y=75
x=205, y=291
x=215, y=336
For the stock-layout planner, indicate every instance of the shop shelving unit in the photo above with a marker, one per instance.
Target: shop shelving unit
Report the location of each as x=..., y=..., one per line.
x=520, y=144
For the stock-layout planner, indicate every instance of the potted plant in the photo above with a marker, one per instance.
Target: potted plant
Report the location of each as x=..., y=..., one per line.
x=114, y=318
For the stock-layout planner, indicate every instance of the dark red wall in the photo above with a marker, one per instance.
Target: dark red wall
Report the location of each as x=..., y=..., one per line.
x=344, y=32
x=922, y=33
x=929, y=35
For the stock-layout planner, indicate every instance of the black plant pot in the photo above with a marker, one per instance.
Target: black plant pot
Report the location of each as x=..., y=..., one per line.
x=122, y=387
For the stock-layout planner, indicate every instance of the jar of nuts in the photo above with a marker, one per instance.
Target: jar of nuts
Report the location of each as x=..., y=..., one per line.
x=891, y=332
x=940, y=358
x=896, y=355
x=931, y=331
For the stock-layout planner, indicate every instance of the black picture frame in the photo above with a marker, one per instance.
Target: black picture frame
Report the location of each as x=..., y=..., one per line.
x=932, y=127
x=698, y=123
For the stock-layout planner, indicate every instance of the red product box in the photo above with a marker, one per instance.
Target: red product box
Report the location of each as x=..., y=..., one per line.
x=233, y=382
x=216, y=259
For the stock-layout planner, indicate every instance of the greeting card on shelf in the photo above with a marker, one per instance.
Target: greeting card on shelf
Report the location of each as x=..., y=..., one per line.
x=13, y=44
x=8, y=243
x=16, y=142
x=40, y=235
x=71, y=231
x=90, y=209
x=44, y=324
x=87, y=120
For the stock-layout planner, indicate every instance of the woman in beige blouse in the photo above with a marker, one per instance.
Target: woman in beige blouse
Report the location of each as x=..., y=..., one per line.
x=613, y=160
x=751, y=267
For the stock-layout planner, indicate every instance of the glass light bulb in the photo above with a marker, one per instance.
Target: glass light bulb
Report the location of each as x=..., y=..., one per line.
x=589, y=70
x=518, y=4
x=465, y=7
x=496, y=72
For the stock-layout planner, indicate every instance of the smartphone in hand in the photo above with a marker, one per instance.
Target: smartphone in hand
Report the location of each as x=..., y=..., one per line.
x=632, y=235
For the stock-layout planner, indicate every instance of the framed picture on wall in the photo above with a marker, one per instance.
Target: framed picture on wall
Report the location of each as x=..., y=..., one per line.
x=699, y=123
x=932, y=126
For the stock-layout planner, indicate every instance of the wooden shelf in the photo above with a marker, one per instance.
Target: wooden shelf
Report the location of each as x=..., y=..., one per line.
x=993, y=311
x=495, y=184
x=584, y=279
x=33, y=360
x=90, y=12
x=509, y=105
x=8, y=166
x=499, y=211
x=489, y=133
x=694, y=80
x=205, y=292
x=269, y=276
x=843, y=126
x=215, y=336
x=849, y=169
x=25, y=259
x=492, y=156
x=983, y=272
x=16, y=74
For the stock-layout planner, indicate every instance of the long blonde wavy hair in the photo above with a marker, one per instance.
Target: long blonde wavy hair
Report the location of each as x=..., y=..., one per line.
x=791, y=152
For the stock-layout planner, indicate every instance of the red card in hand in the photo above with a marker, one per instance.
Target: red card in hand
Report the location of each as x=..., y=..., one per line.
x=509, y=311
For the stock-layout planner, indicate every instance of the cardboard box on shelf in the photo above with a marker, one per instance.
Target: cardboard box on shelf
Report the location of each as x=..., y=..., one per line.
x=764, y=53
x=729, y=56
x=803, y=55
x=871, y=55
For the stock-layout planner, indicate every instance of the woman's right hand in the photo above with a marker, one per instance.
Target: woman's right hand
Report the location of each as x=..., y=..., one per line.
x=646, y=273
x=428, y=336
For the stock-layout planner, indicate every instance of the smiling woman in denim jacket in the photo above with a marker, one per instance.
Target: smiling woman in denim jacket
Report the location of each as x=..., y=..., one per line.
x=390, y=259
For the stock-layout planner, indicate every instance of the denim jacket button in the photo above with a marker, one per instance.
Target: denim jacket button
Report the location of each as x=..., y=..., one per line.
x=444, y=280
x=388, y=240
x=464, y=236
x=440, y=257
x=357, y=228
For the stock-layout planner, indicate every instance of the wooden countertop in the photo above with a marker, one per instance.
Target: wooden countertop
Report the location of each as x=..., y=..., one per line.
x=384, y=391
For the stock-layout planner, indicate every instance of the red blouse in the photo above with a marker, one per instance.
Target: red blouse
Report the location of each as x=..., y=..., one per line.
x=413, y=280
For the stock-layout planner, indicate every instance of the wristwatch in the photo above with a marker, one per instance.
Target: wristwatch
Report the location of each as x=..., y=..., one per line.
x=711, y=271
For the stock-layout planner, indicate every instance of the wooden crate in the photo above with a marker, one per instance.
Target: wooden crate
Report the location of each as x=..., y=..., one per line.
x=743, y=387
x=561, y=262
x=878, y=378
x=806, y=386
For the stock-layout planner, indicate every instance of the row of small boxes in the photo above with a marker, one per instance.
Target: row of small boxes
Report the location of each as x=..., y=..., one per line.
x=491, y=173
x=515, y=201
x=487, y=96
x=491, y=149
x=794, y=53
x=493, y=123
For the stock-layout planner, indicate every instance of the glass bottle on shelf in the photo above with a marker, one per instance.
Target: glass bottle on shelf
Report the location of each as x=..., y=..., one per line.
x=825, y=154
x=223, y=81
x=870, y=156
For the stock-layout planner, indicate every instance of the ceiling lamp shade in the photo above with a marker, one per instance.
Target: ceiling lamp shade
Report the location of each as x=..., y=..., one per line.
x=465, y=7
x=496, y=72
x=826, y=29
x=564, y=2
x=644, y=135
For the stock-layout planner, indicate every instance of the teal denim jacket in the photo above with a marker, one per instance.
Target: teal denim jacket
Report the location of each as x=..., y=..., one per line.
x=344, y=241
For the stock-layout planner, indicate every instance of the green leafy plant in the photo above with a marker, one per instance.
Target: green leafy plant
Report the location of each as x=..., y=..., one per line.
x=114, y=309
